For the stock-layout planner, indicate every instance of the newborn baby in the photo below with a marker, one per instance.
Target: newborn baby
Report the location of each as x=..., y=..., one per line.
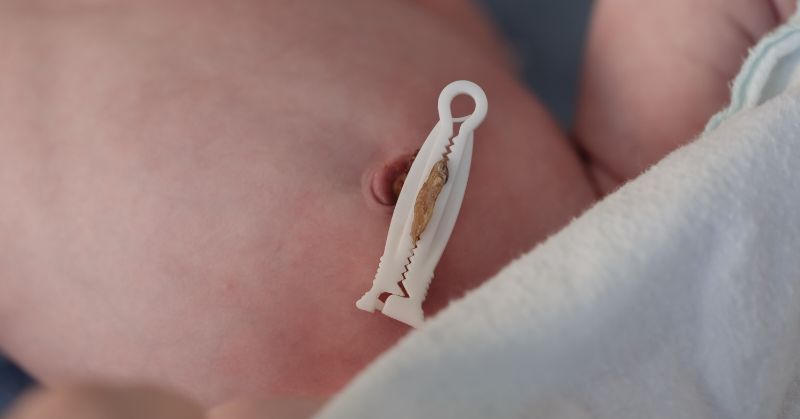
x=198, y=192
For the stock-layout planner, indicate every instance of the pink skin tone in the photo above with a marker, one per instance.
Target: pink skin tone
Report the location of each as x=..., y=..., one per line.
x=191, y=186
x=655, y=72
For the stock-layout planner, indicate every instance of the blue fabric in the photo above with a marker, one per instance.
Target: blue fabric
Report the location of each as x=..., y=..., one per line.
x=12, y=382
x=548, y=38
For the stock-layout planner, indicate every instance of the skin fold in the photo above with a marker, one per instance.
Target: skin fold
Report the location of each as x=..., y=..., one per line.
x=190, y=186
x=656, y=71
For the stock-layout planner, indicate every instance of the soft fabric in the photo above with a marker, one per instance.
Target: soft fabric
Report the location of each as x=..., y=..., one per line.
x=678, y=296
x=12, y=383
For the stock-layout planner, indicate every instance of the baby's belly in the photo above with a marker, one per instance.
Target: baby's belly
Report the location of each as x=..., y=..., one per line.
x=189, y=201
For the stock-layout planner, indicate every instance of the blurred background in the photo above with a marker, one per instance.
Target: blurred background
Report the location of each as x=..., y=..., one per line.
x=548, y=37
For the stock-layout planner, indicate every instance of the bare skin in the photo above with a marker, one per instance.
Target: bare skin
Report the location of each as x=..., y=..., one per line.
x=190, y=186
x=655, y=72
x=93, y=401
x=191, y=191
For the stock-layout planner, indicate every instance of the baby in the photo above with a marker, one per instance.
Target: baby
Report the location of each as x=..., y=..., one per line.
x=195, y=193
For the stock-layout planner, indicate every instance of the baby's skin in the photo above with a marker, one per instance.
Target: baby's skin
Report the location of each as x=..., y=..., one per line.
x=655, y=72
x=191, y=186
x=195, y=193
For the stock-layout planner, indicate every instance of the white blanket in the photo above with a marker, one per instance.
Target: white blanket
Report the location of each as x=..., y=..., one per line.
x=676, y=297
